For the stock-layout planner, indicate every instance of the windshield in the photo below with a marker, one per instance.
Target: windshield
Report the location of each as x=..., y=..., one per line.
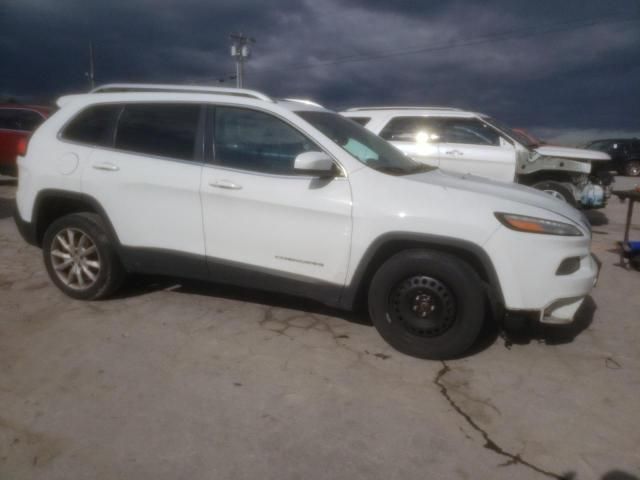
x=363, y=145
x=519, y=137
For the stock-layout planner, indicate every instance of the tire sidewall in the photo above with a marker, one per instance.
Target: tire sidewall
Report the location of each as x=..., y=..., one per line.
x=557, y=187
x=457, y=276
x=629, y=166
x=92, y=226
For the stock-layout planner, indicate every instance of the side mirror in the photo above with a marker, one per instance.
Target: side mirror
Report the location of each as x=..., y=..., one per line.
x=314, y=163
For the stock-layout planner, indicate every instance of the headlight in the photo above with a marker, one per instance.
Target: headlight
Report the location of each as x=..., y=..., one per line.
x=522, y=223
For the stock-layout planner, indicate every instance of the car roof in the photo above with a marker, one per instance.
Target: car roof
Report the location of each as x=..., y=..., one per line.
x=408, y=111
x=123, y=92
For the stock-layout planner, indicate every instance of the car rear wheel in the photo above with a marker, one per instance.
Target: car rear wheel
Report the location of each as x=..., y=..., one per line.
x=632, y=169
x=427, y=304
x=79, y=257
x=557, y=190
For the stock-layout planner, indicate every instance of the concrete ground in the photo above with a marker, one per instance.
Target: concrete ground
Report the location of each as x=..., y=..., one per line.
x=191, y=381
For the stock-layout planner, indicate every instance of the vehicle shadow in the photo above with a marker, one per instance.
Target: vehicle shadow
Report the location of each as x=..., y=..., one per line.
x=6, y=207
x=528, y=331
x=143, y=284
x=619, y=475
x=596, y=218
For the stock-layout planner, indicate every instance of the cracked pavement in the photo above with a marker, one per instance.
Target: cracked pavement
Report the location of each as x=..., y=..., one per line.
x=188, y=380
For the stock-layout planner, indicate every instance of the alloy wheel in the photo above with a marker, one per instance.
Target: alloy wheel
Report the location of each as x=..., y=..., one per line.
x=75, y=259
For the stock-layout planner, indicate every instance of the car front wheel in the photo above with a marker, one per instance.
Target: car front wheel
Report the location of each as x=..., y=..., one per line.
x=632, y=169
x=427, y=304
x=557, y=190
x=79, y=257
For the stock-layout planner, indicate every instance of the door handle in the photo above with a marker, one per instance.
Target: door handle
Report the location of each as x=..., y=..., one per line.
x=109, y=167
x=454, y=152
x=226, y=184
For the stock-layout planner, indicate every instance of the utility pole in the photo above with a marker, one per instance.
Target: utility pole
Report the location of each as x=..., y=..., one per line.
x=91, y=73
x=240, y=51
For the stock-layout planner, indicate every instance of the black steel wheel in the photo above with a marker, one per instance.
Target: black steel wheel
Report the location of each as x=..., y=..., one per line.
x=424, y=305
x=427, y=304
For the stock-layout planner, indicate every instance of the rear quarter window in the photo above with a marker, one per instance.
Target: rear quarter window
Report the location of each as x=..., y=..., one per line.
x=93, y=125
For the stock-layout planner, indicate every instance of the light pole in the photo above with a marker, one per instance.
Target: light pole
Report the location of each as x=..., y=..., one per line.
x=240, y=51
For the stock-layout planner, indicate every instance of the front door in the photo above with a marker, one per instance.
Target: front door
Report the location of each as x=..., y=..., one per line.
x=263, y=222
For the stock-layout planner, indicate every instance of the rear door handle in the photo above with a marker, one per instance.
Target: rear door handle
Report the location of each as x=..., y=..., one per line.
x=454, y=152
x=226, y=184
x=109, y=167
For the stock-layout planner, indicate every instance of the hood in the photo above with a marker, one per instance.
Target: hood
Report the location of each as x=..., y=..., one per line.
x=508, y=191
x=574, y=153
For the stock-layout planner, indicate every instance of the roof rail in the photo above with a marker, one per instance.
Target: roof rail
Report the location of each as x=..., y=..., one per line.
x=150, y=87
x=304, y=101
x=357, y=109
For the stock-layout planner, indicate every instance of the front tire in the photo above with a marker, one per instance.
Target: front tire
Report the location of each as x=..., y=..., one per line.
x=427, y=304
x=632, y=169
x=557, y=190
x=80, y=258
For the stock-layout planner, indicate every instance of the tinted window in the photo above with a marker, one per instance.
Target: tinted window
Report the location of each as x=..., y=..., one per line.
x=410, y=129
x=470, y=131
x=93, y=126
x=361, y=120
x=257, y=141
x=166, y=130
x=19, y=119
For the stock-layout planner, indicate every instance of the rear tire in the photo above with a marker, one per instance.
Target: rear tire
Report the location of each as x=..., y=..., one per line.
x=632, y=169
x=557, y=190
x=80, y=258
x=427, y=304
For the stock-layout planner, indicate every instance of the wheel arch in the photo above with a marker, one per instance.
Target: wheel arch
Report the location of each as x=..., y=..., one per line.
x=387, y=245
x=51, y=204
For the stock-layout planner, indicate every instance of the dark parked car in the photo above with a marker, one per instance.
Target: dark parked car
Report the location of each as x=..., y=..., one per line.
x=625, y=154
x=17, y=122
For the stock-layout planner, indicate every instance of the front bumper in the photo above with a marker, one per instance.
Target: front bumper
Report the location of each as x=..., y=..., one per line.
x=562, y=311
x=527, y=266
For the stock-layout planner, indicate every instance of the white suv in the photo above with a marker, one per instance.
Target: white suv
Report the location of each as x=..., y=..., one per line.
x=232, y=186
x=469, y=142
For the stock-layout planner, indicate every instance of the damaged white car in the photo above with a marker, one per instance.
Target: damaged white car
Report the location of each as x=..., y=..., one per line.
x=473, y=143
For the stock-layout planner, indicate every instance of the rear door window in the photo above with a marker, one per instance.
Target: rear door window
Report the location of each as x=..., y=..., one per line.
x=412, y=129
x=164, y=130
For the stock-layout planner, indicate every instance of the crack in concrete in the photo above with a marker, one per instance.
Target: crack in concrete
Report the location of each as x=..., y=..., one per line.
x=512, y=459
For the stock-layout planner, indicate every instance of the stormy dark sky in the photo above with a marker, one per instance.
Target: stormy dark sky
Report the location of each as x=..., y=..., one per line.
x=563, y=69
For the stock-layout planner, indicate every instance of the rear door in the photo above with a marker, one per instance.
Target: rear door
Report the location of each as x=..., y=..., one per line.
x=261, y=217
x=468, y=145
x=417, y=136
x=149, y=182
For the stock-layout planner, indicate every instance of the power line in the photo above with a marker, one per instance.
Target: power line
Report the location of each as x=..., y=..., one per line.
x=508, y=35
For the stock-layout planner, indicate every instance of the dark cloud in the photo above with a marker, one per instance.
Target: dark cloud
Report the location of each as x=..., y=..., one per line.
x=547, y=71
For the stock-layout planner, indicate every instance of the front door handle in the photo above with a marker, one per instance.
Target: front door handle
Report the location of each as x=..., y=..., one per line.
x=109, y=167
x=454, y=152
x=226, y=184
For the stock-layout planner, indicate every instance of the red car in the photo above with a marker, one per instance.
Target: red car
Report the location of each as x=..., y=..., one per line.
x=17, y=122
